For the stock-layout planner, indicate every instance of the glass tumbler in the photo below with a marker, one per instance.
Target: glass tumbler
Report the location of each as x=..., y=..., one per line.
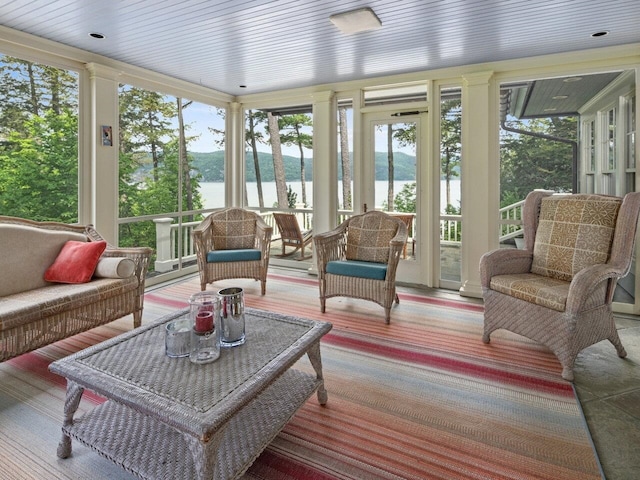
x=231, y=314
x=178, y=338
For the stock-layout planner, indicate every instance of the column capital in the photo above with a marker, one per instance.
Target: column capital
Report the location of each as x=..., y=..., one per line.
x=477, y=78
x=324, y=96
x=97, y=70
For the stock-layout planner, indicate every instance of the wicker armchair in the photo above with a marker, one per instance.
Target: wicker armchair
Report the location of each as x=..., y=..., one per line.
x=558, y=290
x=232, y=243
x=359, y=259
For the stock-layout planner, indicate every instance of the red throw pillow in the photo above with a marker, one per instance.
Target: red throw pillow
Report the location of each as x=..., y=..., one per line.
x=76, y=262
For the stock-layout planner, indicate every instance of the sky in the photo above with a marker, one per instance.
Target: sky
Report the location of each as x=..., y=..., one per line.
x=202, y=117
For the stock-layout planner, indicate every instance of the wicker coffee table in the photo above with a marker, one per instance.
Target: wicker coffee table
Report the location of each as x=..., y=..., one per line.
x=169, y=418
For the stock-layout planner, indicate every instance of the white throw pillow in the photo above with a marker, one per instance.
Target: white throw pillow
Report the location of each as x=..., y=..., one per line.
x=115, y=267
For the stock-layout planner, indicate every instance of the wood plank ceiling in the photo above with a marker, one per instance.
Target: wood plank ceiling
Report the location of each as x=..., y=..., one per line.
x=249, y=46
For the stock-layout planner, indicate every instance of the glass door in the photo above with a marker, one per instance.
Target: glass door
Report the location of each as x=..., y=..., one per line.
x=390, y=174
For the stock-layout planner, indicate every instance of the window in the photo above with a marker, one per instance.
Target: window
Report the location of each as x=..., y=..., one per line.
x=279, y=168
x=611, y=140
x=171, y=169
x=38, y=141
x=345, y=158
x=630, y=143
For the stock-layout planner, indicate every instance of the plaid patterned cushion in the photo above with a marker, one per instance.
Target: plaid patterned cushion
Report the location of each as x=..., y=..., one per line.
x=233, y=229
x=532, y=288
x=574, y=232
x=368, y=238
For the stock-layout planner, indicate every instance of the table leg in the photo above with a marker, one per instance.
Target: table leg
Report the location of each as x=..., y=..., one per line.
x=205, y=453
x=314, y=356
x=74, y=393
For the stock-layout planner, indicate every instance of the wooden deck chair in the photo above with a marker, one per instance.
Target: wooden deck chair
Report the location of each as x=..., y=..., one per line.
x=407, y=218
x=291, y=235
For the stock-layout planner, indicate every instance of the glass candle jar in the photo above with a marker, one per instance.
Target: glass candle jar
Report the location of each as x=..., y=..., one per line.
x=231, y=314
x=205, y=339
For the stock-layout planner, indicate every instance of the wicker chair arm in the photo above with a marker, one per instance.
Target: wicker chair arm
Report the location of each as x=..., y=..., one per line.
x=202, y=243
x=263, y=235
x=329, y=246
x=587, y=280
x=504, y=262
x=401, y=237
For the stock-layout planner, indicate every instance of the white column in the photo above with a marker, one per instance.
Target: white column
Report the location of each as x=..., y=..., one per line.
x=104, y=158
x=234, y=155
x=325, y=163
x=480, y=176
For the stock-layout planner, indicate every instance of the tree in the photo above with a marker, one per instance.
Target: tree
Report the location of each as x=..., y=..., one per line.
x=345, y=160
x=145, y=120
x=278, y=166
x=183, y=156
x=390, y=164
x=405, y=201
x=293, y=135
x=253, y=137
x=450, y=144
x=39, y=133
x=405, y=136
x=39, y=175
x=529, y=162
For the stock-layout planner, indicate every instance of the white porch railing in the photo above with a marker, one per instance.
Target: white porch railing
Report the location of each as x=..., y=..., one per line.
x=511, y=221
x=168, y=240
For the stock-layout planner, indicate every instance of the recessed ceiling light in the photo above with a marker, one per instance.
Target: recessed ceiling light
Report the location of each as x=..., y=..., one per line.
x=572, y=79
x=603, y=33
x=550, y=109
x=97, y=35
x=560, y=97
x=354, y=21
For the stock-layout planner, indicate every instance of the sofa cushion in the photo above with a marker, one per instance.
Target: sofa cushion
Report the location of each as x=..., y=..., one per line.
x=25, y=307
x=29, y=251
x=368, y=238
x=355, y=268
x=239, y=255
x=574, y=232
x=115, y=267
x=76, y=262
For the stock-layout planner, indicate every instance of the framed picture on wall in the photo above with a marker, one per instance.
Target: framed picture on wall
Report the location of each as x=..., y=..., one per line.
x=107, y=138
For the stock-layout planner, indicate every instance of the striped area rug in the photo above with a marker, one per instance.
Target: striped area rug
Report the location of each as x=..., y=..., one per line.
x=421, y=398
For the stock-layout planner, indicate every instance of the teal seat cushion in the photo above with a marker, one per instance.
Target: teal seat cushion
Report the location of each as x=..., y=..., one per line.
x=358, y=268
x=240, y=255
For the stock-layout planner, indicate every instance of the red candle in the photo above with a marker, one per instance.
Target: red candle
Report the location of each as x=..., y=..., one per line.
x=206, y=307
x=204, y=322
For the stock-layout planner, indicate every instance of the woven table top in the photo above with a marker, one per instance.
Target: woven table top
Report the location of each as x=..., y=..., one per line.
x=134, y=370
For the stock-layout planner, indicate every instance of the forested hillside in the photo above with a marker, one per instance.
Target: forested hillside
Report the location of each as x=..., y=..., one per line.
x=211, y=166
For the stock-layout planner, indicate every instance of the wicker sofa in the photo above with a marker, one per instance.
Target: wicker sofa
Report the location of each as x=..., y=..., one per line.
x=35, y=312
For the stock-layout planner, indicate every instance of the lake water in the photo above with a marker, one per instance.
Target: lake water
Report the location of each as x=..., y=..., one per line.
x=213, y=192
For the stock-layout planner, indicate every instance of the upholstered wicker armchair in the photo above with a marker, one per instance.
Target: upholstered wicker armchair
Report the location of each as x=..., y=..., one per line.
x=558, y=290
x=232, y=243
x=359, y=259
